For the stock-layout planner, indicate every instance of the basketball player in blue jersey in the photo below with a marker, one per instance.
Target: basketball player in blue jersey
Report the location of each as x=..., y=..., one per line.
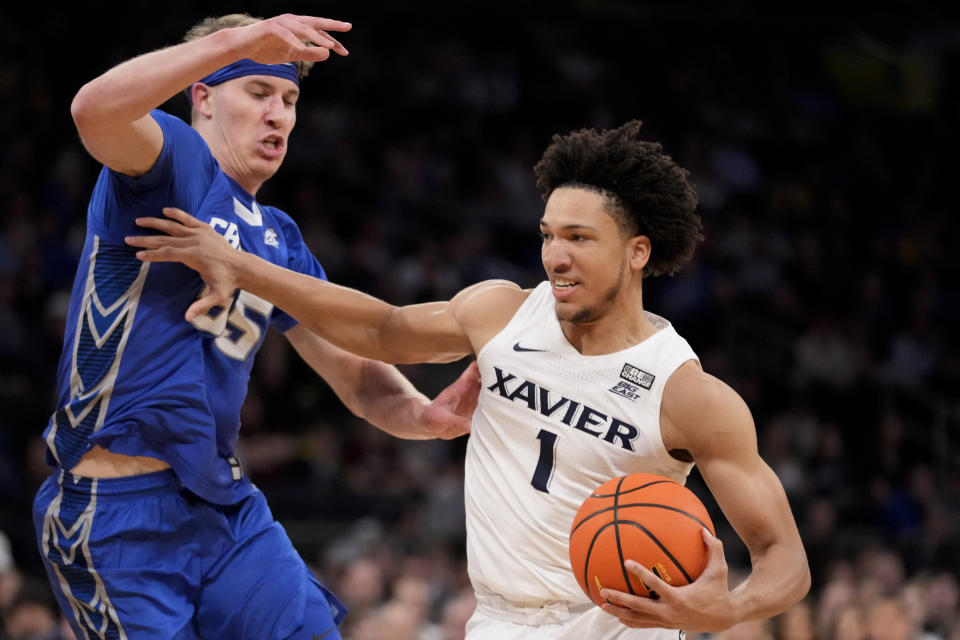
x=580, y=385
x=148, y=526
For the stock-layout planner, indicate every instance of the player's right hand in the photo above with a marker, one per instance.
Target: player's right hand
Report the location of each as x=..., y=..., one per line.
x=704, y=605
x=186, y=240
x=290, y=37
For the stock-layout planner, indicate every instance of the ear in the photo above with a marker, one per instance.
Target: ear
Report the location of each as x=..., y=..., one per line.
x=200, y=95
x=639, y=251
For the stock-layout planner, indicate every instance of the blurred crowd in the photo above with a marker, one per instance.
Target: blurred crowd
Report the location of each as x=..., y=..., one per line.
x=826, y=292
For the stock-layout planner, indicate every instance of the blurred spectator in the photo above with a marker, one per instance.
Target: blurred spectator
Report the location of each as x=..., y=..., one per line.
x=850, y=624
x=363, y=584
x=796, y=623
x=10, y=578
x=33, y=614
x=391, y=621
x=942, y=602
x=455, y=613
x=888, y=618
x=825, y=357
x=747, y=630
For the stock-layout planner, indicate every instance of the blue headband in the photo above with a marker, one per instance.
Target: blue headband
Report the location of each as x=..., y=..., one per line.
x=247, y=67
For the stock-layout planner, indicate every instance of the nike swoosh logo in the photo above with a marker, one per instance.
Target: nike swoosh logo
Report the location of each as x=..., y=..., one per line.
x=517, y=347
x=322, y=635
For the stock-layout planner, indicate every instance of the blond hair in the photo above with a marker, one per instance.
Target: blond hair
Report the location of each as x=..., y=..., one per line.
x=230, y=21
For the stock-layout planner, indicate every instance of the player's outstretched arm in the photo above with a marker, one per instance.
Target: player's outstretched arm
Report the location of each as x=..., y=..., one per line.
x=710, y=420
x=350, y=319
x=382, y=396
x=111, y=112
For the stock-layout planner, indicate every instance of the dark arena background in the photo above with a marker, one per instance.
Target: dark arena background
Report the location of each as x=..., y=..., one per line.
x=823, y=144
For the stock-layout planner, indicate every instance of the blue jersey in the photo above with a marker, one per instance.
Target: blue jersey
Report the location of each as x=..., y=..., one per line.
x=134, y=376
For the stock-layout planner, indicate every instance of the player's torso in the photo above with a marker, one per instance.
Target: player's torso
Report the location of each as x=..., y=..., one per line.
x=135, y=376
x=551, y=425
x=161, y=346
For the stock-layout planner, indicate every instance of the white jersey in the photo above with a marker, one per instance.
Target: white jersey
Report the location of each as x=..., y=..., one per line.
x=551, y=425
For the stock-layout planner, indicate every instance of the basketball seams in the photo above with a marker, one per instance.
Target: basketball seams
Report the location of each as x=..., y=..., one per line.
x=652, y=505
x=659, y=544
x=593, y=542
x=643, y=486
x=616, y=530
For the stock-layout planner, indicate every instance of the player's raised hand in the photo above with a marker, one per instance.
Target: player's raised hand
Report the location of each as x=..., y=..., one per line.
x=701, y=606
x=451, y=412
x=186, y=240
x=290, y=37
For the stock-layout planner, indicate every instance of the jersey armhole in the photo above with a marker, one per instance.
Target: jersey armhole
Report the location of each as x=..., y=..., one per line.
x=674, y=363
x=531, y=301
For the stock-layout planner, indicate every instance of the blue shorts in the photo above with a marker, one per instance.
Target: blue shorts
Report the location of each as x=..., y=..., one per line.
x=142, y=557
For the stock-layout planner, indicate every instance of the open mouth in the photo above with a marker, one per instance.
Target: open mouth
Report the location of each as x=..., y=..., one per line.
x=272, y=144
x=563, y=287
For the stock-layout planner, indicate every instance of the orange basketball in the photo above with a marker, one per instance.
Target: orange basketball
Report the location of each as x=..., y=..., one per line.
x=643, y=517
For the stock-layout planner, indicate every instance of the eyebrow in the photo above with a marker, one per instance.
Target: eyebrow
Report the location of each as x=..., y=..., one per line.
x=569, y=226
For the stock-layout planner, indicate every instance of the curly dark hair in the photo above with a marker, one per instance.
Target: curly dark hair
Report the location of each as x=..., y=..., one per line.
x=649, y=193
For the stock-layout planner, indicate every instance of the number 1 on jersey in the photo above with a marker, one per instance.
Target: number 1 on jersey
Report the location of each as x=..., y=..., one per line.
x=544, y=470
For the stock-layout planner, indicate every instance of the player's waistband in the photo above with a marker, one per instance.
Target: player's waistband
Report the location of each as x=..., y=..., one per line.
x=156, y=481
x=550, y=613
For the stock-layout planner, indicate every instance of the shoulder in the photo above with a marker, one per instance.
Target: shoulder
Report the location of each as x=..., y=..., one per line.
x=494, y=288
x=167, y=120
x=173, y=126
x=500, y=295
x=485, y=308
x=182, y=171
x=184, y=147
x=703, y=414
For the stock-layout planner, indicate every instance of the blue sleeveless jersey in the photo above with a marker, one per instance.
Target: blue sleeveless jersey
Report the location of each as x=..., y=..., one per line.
x=134, y=376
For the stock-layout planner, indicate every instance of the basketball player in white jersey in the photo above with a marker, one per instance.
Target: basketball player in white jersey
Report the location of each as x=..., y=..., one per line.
x=580, y=385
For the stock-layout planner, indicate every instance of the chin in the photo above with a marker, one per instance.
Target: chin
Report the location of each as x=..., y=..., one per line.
x=570, y=313
x=268, y=170
x=269, y=164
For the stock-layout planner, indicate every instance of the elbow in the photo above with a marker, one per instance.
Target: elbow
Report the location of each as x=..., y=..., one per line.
x=803, y=581
x=82, y=109
x=91, y=110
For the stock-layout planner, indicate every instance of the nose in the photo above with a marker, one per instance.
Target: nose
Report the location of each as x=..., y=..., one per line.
x=556, y=259
x=276, y=113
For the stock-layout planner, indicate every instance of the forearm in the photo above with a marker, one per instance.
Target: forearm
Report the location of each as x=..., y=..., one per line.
x=380, y=394
x=387, y=400
x=371, y=390
x=780, y=577
x=130, y=90
x=346, y=317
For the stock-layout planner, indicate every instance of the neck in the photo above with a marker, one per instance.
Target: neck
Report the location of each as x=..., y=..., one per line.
x=248, y=184
x=620, y=327
x=230, y=162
